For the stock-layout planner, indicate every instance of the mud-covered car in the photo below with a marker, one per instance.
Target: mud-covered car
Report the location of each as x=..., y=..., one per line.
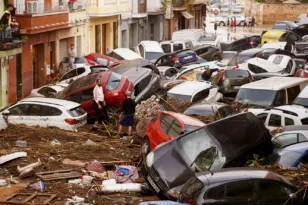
x=215, y=146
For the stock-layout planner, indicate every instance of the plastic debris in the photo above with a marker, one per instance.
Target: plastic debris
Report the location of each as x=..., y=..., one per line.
x=96, y=167
x=21, y=143
x=40, y=186
x=87, y=180
x=27, y=173
x=75, y=181
x=129, y=187
x=125, y=174
x=33, y=165
x=90, y=143
x=3, y=182
x=109, y=182
x=9, y=157
x=55, y=142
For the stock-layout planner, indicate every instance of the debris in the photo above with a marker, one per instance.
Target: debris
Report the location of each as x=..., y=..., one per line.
x=125, y=174
x=3, y=182
x=96, y=167
x=40, y=186
x=33, y=165
x=21, y=143
x=55, y=142
x=27, y=173
x=109, y=182
x=129, y=187
x=9, y=157
x=101, y=176
x=58, y=174
x=14, y=181
x=75, y=181
x=75, y=200
x=90, y=143
x=148, y=108
x=28, y=198
x=77, y=163
x=87, y=180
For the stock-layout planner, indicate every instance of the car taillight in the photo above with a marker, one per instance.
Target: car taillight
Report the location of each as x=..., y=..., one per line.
x=252, y=42
x=236, y=67
x=175, y=58
x=71, y=121
x=183, y=78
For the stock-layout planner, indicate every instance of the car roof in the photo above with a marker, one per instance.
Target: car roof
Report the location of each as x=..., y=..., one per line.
x=275, y=45
x=265, y=64
x=301, y=111
x=51, y=101
x=134, y=74
x=199, y=47
x=129, y=54
x=275, y=83
x=299, y=147
x=186, y=119
x=274, y=33
x=240, y=173
x=151, y=46
x=175, y=41
x=189, y=87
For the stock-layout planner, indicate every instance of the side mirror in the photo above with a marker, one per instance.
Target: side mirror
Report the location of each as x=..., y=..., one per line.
x=6, y=112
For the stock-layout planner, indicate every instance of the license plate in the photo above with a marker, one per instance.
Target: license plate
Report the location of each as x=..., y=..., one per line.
x=188, y=57
x=153, y=184
x=237, y=87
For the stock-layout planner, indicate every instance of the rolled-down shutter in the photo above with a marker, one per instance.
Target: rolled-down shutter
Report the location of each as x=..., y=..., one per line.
x=63, y=49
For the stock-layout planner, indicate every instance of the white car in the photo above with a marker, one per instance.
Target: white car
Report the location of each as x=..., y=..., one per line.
x=81, y=72
x=124, y=54
x=46, y=112
x=282, y=116
x=47, y=90
x=236, y=9
x=291, y=135
x=150, y=50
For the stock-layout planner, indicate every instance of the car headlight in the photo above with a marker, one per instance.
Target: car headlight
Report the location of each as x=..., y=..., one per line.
x=150, y=159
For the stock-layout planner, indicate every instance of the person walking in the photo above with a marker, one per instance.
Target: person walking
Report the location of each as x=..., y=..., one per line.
x=98, y=103
x=231, y=23
x=249, y=24
x=253, y=21
x=228, y=22
x=127, y=114
x=72, y=56
x=234, y=24
x=246, y=23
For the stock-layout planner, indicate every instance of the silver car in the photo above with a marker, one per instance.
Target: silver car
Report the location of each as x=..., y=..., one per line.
x=64, y=64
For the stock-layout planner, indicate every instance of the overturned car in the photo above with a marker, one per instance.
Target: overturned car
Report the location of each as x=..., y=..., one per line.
x=212, y=147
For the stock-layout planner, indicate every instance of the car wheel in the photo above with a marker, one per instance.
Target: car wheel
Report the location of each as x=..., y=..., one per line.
x=217, y=58
x=221, y=23
x=145, y=147
x=112, y=111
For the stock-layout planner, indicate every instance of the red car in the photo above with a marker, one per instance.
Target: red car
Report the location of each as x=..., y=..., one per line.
x=114, y=87
x=166, y=126
x=301, y=73
x=98, y=59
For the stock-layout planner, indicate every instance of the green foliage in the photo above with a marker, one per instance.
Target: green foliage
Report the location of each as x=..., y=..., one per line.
x=165, y=4
x=24, y=37
x=256, y=161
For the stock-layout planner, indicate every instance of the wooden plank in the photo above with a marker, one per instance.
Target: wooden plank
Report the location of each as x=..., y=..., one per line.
x=59, y=174
x=31, y=197
x=56, y=171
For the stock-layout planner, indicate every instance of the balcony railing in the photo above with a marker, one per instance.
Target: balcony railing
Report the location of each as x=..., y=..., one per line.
x=10, y=39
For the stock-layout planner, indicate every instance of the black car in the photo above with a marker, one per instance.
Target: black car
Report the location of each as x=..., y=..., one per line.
x=301, y=30
x=178, y=59
x=242, y=44
x=247, y=186
x=212, y=147
x=207, y=52
x=243, y=56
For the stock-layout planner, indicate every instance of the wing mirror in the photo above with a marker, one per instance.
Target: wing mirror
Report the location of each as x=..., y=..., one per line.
x=6, y=112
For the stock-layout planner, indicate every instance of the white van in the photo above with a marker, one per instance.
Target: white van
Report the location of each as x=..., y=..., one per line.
x=302, y=19
x=271, y=92
x=188, y=34
x=149, y=50
x=124, y=54
x=172, y=46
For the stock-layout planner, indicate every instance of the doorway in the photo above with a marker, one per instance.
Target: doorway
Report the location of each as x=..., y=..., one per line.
x=38, y=65
x=98, y=39
x=18, y=77
x=78, y=46
x=53, y=56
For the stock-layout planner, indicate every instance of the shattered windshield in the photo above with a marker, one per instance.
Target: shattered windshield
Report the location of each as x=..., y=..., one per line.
x=201, y=151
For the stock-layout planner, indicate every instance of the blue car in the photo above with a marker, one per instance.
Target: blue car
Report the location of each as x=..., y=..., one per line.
x=289, y=156
x=178, y=59
x=161, y=203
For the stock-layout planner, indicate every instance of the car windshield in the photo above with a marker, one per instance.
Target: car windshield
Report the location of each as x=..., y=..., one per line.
x=256, y=97
x=200, y=150
x=153, y=55
x=301, y=101
x=80, y=60
x=189, y=128
x=236, y=74
x=113, y=81
x=238, y=59
x=285, y=158
x=180, y=96
x=76, y=112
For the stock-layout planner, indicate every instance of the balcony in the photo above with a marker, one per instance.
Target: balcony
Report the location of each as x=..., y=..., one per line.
x=139, y=9
x=98, y=8
x=11, y=39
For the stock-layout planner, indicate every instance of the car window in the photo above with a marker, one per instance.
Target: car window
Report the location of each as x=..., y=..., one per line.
x=20, y=109
x=170, y=72
x=236, y=74
x=244, y=189
x=256, y=69
x=38, y=110
x=177, y=47
x=166, y=48
x=54, y=111
x=293, y=93
x=274, y=190
x=288, y=121
x=75, y=97
x=153, y=120
x=80, y=70
x=293, y=37
x=288, y=69
x=113, y=81
x=70, y=74
x=304, y=121
x=165, y=122
x=215, y=193
x=262, y=117
x=283, y=37
x=86, y=95
x=102, y=61
x=201, y=95
x=46, y=91
x=286, y=139
x=301, y=138
x=188, y=44
x=280, y=98
x=76, y=112
x=191, y=190
x=274, y=120
x=175, y=129
x=80, y=60
x=225, y=111
x=141, y=50
x=145, y=82
x=96, y=69
x=185, y=53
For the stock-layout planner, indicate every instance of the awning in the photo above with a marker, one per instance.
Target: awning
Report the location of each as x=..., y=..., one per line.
x=187, y=15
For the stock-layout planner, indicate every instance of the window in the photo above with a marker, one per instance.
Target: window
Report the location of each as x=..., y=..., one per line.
x=288, y=121
x=274, y=190
x=170, y=72
x=293, y=37
x=46, y=91
x=54, y=111
x=38, y=110
x=154, y=119
x=76, y=112
x=262, y=117
x=215, y=193
x=286, y=139
x=304, y=121
x=192, y=189
x=275, y=120
x=256, y=69
x=188, y=44
x=201, y=95
x=293, y=93
x=280, y=98
x=225, y=111
x=241, y=189
x=301, y=138
x=20, y=109
x=80, y=60
x=70, y=74
x=87, y=94
x=102, y=61
x=177, y=47
x=113, y=81
x=75, y=97
x=80, y=70
x=175, y=129
x=166, y=48
x=288, y=69
x=141, y=50
x=165, y=122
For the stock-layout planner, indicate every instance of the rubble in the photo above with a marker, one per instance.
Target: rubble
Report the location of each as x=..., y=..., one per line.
x=33, y=165
x=9, y=157
x=148, y=108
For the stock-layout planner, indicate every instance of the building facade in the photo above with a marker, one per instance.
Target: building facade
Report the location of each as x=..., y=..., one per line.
x=155, y=23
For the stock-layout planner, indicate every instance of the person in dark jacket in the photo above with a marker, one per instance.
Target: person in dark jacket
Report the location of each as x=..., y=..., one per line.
x=207, y=74
x=5, y=19
x=127, y=114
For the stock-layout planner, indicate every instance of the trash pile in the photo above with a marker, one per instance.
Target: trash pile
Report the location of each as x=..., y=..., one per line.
x=148, y=108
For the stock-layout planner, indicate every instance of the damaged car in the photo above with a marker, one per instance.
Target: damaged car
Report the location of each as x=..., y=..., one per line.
x=215, y=146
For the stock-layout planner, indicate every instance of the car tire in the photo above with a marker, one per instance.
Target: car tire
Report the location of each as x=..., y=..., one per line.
x=222, y=23
x=216, y=58
x=145, y=147
x=112, y=111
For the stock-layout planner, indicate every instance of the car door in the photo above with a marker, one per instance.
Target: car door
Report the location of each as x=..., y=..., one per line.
x=18, y=114
x=263, y=117
x=37, y=115
x=54, y=117
x=272, y=192
x=240, y=193
x=204, y=54
x=164, y=124
x=274, y=121
x=292, y=93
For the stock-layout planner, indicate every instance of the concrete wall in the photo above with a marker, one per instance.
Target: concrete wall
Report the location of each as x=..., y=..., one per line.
x=154, y=5
x=269, y=13
x=158, y=21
